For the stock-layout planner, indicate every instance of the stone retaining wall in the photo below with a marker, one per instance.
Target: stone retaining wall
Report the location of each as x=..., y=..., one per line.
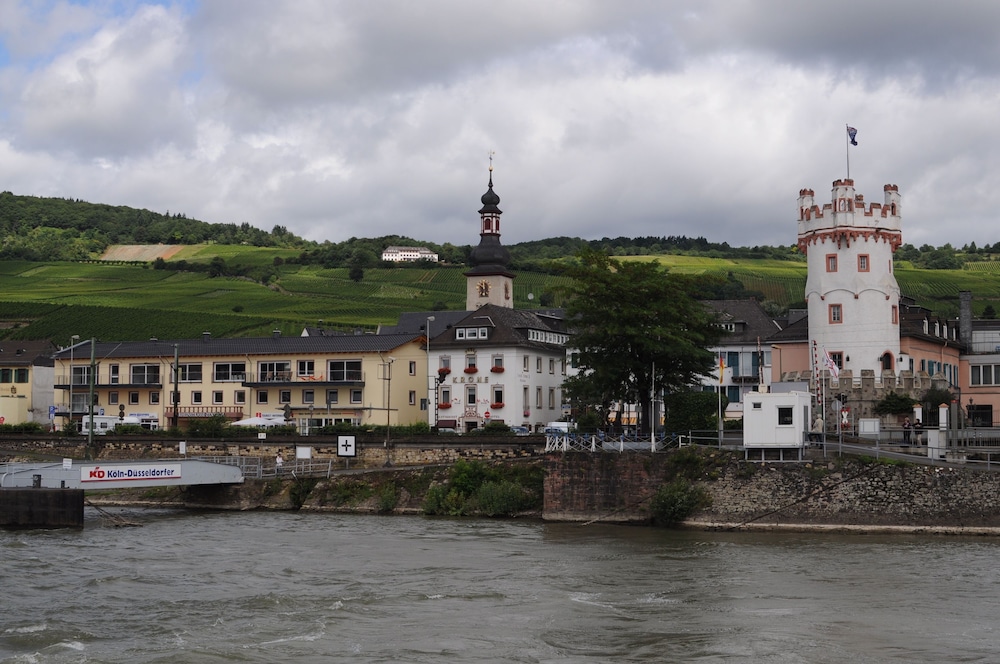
x=617, y=488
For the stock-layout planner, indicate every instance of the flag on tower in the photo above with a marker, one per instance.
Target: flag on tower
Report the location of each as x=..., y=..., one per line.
x=852, y=132
x=830, y=364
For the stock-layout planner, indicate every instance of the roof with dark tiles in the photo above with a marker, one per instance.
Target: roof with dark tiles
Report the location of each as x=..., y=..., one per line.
x=252, y=346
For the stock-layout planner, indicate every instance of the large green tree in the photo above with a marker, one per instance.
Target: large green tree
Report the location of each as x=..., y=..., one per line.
x=637, y=331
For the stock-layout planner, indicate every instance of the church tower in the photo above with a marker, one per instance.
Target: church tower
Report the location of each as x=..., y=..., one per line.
x=851, y=291
x=489, y=281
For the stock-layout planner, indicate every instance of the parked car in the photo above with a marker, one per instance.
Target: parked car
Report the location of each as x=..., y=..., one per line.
x=447, y=431
x=520, y=431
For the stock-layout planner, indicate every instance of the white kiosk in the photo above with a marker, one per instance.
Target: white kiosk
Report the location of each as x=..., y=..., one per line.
x=776, y=420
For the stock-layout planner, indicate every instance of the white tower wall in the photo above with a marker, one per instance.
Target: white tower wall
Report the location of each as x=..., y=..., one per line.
x=849, y=249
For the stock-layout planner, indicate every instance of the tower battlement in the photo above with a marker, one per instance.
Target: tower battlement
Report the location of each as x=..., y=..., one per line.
x=847, y=216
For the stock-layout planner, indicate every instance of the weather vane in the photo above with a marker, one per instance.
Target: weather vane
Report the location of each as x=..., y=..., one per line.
x=491, y=160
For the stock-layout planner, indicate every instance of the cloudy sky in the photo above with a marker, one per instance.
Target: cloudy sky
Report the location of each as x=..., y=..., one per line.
x=357, y=118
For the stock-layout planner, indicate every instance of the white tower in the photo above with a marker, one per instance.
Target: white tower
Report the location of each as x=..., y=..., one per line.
x=851, y=291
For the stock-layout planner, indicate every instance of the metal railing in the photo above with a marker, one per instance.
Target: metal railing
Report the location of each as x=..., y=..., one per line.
x=257, y=468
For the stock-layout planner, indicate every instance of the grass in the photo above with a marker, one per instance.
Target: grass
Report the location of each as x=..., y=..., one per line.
x=122, y=301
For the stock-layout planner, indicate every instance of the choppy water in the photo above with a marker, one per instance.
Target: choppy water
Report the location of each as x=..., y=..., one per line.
x=275, y=587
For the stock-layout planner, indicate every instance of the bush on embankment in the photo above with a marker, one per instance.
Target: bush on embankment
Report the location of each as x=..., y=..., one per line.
x=477, y=489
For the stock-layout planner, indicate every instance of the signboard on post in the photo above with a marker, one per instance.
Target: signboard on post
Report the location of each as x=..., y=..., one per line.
x=346, y=446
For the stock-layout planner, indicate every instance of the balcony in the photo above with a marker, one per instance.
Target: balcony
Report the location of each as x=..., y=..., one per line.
x=107, y=380
x=285, y=378
x=188, y=412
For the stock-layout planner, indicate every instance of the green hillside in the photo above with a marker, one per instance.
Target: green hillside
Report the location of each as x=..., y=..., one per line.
x=110, y=301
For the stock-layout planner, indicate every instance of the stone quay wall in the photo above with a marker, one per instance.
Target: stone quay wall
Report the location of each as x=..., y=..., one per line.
x=371, y=450
x=833, y=492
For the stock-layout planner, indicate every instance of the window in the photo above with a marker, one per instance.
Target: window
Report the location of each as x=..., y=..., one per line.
x=552, y=365
x=173, y=398
x=308, y=396
x=863, y=264
x=229, y=371
x=983, y=374
x=154, y=398
x=460, y=333
x=552, y=398
x=562, y=366
x=538, y=366
x=733, y=362
x=831, y=262
x=444, y=362
x=217, y=397
x=838, y=359
x=784, y=415
x=356, y=396
x=524, y=399
x=196, y=398
x=538, y=397
x=497, y=394
x=470, y=361
x=145, y=374
x=526, y=361
x=498, y=361
x=413, y=368
x=20, y=375
x=274, y=371
x=240, y=396
x=189, y=373
x=133, y=398
x=78, y=376
x=332, y=396
x=836, y=314
x=733, y=393
x=470, y=395
x=113, y=374
x=445, y=395
x=305, y=368
x=5, y=375
x=261, y=396
x=284, y=396
x=113, y=398
x=345, y=371
x=413, y=398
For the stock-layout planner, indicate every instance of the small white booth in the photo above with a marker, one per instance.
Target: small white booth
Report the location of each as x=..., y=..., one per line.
x=777, y=421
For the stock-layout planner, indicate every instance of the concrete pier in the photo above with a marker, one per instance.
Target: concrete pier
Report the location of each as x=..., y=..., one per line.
x=41, y=508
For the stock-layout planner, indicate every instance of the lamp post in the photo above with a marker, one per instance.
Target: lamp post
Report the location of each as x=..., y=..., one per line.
x=72, y=342
x=431, y=385
x=387, y=369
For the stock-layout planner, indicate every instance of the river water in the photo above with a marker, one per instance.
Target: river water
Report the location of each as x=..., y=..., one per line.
x=298, y=587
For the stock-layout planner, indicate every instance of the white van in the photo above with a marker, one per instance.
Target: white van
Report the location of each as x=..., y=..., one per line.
x=105, y=423
x=557, y=427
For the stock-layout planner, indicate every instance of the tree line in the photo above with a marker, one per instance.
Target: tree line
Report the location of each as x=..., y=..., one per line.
x=44, y=229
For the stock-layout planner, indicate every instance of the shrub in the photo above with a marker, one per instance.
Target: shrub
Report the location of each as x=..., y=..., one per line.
x=503, y=498
x=676, y=501
x=387, y=498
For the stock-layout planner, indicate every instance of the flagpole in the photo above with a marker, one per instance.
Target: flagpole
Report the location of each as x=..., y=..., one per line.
x=847, y=148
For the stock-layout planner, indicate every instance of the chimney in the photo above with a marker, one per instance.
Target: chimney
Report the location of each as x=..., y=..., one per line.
x=205, y=336
x=276, y=333
x=965, y=317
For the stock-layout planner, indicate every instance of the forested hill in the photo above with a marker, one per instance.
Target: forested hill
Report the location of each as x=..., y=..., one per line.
x=46, y=229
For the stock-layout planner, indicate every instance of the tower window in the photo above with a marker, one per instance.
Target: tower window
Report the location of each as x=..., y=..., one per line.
x=836, y=314
x=863, y=263
x=895, y=315
x=831, y=262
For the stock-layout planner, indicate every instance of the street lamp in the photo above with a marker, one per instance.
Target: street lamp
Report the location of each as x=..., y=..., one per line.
x=387, y=369
x=72, y=342
x=430, y=384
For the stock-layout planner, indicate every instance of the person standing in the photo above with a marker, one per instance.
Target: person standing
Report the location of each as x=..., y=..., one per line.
x=918, y=426
x=816, y=434
x=907, y=428
x=279, y=462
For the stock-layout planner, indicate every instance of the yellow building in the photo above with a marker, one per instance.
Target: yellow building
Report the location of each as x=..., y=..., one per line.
x=26, y=382
x=309, y=381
